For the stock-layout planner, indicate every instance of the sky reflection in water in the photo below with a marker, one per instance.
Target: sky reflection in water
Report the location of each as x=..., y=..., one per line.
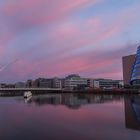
x=70, y=117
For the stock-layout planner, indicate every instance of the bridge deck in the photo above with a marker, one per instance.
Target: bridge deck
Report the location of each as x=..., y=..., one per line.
x=30, y=89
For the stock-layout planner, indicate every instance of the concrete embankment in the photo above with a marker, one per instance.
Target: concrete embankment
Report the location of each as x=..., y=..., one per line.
x=115, y=92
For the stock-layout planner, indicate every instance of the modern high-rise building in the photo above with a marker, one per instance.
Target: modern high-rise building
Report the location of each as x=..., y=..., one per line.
x=135, y=77
x=128, y=63
x=131, y=69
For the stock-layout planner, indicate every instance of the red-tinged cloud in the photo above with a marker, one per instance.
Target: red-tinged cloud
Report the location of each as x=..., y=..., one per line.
x=87, y=64
x=43, y=11
x=71, y=36
x=56, y=38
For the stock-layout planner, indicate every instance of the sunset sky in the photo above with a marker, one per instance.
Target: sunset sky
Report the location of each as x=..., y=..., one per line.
x=47, y=38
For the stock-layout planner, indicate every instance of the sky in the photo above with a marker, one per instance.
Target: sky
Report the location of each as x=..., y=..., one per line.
x=55, y=38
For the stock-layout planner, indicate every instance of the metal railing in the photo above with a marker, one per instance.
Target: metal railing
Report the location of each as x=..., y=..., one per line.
x=30, y=89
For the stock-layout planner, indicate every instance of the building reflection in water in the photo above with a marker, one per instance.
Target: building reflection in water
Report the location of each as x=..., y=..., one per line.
x=73, y=101
x=132, y=112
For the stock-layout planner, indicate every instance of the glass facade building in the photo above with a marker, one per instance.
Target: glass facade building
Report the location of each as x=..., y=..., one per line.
x=135, y=76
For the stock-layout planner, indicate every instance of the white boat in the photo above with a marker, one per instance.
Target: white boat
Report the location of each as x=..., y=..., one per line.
x=27, y=94
x=28, y=99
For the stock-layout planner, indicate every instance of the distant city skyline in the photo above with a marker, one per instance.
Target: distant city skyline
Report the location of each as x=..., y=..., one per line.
x=59, y=37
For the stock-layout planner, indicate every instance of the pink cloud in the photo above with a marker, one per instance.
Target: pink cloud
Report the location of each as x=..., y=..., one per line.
x=77, y=35
x=76, y=64
x=65, y=46
x=42, y=11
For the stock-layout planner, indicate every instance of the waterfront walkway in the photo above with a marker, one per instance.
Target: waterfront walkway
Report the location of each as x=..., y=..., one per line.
x=35, y=91
x=30, y=89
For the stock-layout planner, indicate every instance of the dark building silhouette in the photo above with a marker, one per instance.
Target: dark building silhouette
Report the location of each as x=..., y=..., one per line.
x=128, y=62
x=29, y=83
x=132, y=113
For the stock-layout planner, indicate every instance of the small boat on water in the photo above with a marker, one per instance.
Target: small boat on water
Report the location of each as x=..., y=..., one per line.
x=28, y=99
x=27, y=94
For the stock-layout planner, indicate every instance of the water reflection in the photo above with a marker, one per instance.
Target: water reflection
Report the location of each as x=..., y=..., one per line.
x=132, y=112
x=70, y=117
x=73, y=101
x=28, y=100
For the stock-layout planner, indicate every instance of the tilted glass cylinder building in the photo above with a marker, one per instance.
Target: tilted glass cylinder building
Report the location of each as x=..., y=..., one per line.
x=135, y=76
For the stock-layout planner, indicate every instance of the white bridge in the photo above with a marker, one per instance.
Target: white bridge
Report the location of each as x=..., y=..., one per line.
x=30, y=89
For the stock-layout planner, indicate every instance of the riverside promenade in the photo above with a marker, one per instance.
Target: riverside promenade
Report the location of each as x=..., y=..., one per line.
x=36, y=91
x=30, y=89
x=20, y=91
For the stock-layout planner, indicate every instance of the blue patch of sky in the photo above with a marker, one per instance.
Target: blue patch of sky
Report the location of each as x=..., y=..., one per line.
x=132, y=32
x=107, y=8
x=26, y=39
x=3, y=2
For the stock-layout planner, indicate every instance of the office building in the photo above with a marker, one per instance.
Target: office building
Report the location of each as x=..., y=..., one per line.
x=131, y=69
x=135, y=77
x=47, y=83
x=74, y=81
x=105, y=83
x=29, y=84
x=42, y=83
x=3, y=85
x=56, y=83
x=128, y=63
x=20, y=85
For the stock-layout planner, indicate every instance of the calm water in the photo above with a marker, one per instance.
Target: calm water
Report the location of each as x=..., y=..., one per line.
x=70, y=117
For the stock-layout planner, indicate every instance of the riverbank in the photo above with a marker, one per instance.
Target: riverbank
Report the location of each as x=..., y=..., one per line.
x=95, y=91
